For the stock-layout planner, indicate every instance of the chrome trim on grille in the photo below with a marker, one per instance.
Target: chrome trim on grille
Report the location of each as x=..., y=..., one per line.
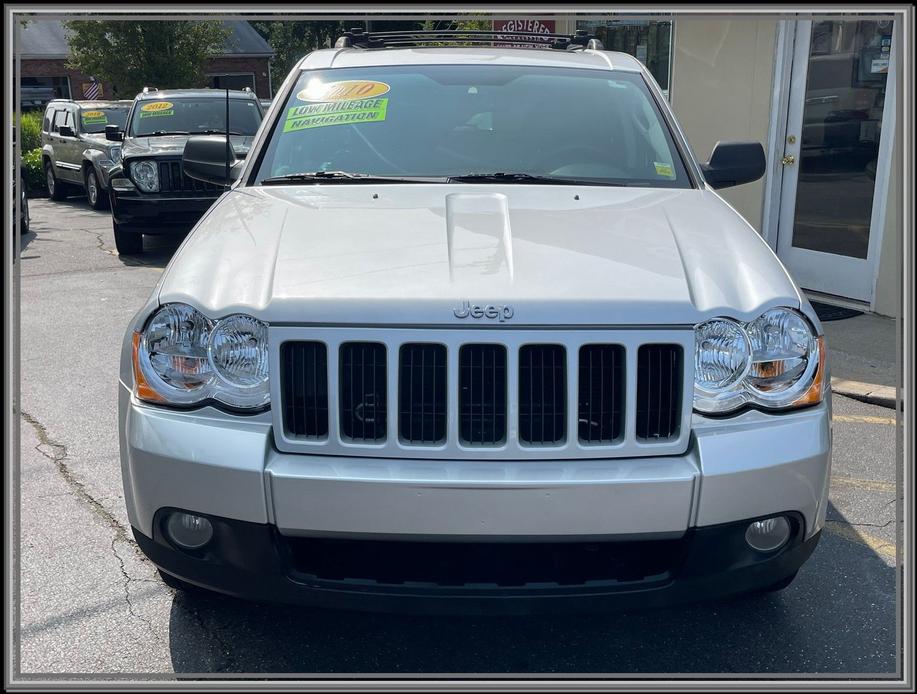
x=512, y=448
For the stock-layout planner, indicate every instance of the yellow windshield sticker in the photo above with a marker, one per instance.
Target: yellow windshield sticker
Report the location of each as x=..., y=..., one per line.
x=157, y=108
x=343, y=90
x=335, y=113
x=94, y=117
x=663, y=169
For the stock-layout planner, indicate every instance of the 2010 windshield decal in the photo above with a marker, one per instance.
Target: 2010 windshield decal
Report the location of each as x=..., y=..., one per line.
x=345, y=102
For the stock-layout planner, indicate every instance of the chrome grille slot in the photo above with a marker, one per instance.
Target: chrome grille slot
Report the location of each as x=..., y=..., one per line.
x=173, y=180
x=659, y=391
x=422, y=394
x=482, y=395
x=304, y=379
x=362, y=391
x=542, y=394
x=601, y=393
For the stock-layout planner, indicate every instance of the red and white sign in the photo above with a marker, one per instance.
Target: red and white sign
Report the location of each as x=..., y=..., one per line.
x=526, y=24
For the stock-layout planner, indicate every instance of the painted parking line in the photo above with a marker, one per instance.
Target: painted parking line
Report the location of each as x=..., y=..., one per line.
x=864, y=419
x=867, y=485
x=851, y=534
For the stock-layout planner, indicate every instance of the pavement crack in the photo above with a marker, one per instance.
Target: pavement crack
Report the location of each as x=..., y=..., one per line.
x=57, y=453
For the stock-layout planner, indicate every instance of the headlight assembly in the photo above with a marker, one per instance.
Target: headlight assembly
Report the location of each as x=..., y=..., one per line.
x=184, y=358
x=146, y=175
x=114, y=153
x=776, y=362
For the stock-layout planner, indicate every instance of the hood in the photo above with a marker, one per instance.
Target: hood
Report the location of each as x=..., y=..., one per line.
x=413, y=254
x=174, y=145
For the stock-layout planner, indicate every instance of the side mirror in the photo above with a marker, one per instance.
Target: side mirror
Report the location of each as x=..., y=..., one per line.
x=112, y=133
x=734, y=163
x=205, y=158
x=66, y=131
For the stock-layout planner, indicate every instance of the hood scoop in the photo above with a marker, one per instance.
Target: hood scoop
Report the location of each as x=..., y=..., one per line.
x=479, y=237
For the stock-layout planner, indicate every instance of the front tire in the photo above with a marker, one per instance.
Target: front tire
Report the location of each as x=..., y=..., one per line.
x=127, y=242
x=94, y=194
x=57, y=190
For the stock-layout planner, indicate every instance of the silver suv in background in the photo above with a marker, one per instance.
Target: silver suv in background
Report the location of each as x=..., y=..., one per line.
x=74, y=150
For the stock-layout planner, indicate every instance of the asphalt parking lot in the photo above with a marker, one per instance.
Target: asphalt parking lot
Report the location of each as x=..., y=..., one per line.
x=90, y=603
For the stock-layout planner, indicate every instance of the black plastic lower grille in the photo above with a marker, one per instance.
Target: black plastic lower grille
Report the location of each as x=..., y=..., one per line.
x=542, y=394
x=659, y=391
x=482, y=395
x=497, y=563
x=363, y=391
x=304, y=388
x=601, y=393
x=173, y=180
x=422, y=394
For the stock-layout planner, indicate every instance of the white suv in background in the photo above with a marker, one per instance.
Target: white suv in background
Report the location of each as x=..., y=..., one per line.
x=473, y=331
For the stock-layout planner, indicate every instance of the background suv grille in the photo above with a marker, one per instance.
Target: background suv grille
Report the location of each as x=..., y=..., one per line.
x=507, y=394
x=173, y=180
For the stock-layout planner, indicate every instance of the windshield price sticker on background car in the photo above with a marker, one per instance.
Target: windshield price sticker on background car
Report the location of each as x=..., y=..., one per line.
x=346, y=102
x=663, y=169
x=157, y=108
x=94, y=117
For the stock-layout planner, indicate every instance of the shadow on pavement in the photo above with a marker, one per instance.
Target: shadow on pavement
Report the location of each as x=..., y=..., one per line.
x=838, y=616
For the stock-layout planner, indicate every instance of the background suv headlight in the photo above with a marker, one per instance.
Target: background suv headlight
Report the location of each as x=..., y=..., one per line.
x=146, y=175
x=182, y=357
x=775, y=361
x=114, y=153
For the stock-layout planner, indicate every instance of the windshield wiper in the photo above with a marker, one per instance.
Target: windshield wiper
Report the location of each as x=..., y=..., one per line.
x=511, y=177
x=346, y=177
x=214, y=131
x=157, y=133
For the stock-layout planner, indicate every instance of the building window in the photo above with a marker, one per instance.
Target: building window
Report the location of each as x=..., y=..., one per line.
x=649, y=41
x=233, y=81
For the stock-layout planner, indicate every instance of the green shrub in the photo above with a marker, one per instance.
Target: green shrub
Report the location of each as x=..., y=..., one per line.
x=30, y=130
x=34, y=176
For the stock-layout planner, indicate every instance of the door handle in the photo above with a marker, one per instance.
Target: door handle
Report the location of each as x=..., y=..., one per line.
x=788, y=160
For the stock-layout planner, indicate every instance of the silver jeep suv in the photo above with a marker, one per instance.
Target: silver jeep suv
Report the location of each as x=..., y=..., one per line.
x=473, y=331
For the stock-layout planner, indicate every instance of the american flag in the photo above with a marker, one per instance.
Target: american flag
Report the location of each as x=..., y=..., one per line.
x=92, y=90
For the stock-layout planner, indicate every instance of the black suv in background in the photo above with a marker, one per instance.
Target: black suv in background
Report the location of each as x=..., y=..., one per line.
x=149, y=193
x=75, y=153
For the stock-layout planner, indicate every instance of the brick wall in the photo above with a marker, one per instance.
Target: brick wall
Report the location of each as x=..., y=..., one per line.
x=58, y=68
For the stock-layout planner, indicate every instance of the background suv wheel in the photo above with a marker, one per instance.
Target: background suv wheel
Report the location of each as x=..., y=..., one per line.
x=57, y=189
x=127, y=241
x=94, y=193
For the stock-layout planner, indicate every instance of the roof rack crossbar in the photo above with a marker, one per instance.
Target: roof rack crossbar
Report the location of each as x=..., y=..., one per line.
x=357, y=38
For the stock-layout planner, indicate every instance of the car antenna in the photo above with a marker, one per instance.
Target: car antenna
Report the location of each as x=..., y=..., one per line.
x=228, y=143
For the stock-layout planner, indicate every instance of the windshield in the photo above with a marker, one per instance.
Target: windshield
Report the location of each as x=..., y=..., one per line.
x=94, y=119
x=456, y=120
x=194, y=116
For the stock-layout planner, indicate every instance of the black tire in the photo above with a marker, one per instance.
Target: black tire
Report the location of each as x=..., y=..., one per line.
x=57, y=189
x=176, y=583
x=97, y=198
x=127, y=242
x=781, y=584
x=24, y=218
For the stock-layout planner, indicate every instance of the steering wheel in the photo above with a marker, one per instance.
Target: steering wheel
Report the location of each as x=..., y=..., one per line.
x=581, y=160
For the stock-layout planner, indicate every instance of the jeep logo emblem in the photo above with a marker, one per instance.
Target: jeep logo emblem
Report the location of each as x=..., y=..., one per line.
x=490, y=311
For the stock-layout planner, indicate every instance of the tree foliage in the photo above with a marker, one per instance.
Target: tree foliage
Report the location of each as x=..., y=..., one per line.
x=128, y=55
x=291, y=40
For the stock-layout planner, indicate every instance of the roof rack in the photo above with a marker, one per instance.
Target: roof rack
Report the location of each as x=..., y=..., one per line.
x=147, y=90
x=357, y=38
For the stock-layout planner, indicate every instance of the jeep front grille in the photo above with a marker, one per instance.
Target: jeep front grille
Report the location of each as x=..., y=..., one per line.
x=484, y=394
x=173, y=180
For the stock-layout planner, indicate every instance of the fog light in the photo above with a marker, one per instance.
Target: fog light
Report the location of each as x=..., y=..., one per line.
x=768, y=534
x=188, y=531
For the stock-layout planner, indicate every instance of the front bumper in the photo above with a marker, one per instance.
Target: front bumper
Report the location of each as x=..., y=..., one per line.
x=154, y=213
x=226, y=467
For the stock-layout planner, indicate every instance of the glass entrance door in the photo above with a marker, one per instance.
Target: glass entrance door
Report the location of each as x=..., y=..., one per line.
x=835, y=159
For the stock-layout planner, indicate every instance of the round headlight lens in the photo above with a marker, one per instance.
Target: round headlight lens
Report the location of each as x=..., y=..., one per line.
x=239, y=356
x=784, y=354
x=146, y=175
x=173, y=353
x=721, y=355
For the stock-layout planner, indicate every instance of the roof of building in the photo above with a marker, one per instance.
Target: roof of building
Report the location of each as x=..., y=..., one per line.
x=47, y=39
